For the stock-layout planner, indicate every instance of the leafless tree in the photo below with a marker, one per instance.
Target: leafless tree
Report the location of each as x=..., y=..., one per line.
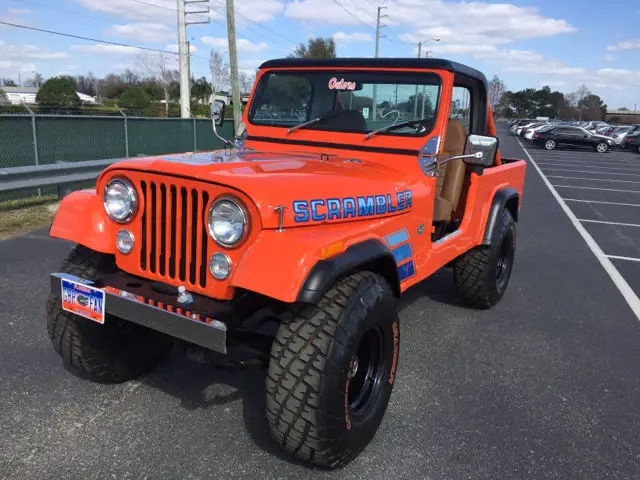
x=246, y=81
x=158, y=66
x=580, y=94
x=496, y=90
x=36, y=81
x=220, y=73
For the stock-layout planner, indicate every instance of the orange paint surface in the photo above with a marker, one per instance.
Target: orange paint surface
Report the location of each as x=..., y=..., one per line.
x=272, y=262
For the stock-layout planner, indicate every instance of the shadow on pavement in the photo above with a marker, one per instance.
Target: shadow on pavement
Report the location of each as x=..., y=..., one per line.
x=188, y=381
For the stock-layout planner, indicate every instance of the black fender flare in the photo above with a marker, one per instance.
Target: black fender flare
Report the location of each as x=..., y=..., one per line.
x=508, y=198
x=372, y=255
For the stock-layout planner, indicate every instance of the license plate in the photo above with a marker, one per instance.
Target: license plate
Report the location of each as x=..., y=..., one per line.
x=83, y=300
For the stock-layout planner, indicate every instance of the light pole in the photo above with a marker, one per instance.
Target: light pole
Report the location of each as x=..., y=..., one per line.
x=415, y=101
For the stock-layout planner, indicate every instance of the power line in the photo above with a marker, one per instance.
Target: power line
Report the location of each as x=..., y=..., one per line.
x=352, y=15
x=261, y=26
x=80, y=37
x=174, y=10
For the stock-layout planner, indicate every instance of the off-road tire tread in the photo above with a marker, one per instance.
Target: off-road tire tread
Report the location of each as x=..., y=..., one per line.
x=472, y=271
x=299, y=361
x=81, y=343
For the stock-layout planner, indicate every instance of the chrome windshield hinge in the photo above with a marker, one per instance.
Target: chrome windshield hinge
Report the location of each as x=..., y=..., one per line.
x=428, y=157
x=280, y=211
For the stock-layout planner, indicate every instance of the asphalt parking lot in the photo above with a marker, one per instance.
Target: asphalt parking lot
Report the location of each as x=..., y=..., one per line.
x=603, y=193
x=545, y=385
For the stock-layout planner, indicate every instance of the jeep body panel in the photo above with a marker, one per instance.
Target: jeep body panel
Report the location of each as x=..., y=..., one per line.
x=337, y=189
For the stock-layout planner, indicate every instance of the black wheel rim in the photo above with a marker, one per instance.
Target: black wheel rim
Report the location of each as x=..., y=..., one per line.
x=365, y=372
x=505, y=262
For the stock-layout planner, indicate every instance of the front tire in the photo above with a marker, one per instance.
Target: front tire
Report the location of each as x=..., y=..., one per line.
x=550, y=145
x=113, y=352
x=332, y=371
x=482, y=274
x=602, y=147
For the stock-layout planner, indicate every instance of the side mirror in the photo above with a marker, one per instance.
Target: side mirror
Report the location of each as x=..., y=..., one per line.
x=217, y=112
x=481, y=150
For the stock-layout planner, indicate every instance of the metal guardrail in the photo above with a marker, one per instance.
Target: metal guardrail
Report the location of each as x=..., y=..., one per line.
x=56, y=174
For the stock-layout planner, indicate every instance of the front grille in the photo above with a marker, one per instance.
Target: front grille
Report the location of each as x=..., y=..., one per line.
x=173, y=236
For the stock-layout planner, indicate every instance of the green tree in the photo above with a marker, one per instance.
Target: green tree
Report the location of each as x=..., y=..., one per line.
x=592, y=107
x=135, y=98
x=58, y=92
x=201, y=90
x=317, y=48
x=3, y=97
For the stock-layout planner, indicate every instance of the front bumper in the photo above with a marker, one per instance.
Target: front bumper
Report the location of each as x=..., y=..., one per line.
x=202, y=322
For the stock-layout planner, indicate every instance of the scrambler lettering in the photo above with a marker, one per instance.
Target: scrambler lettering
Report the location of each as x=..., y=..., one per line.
x=396, y=342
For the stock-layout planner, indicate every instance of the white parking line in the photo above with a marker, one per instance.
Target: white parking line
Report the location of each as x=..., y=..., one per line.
x=593, y=179
x=605, y=169
x=627, y=292
x=582, y=161
x=600, y=201
x=618, y=257
x=610, y=223
x=589, y=171
x=596, y=188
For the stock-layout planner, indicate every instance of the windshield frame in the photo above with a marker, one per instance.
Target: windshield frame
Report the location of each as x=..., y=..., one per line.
x=435, y=75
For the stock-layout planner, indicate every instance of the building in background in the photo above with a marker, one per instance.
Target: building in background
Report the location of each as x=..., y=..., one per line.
x=20, y=95
x=622, y=117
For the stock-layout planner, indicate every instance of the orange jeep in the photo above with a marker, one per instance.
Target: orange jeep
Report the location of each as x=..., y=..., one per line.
x=355, y=179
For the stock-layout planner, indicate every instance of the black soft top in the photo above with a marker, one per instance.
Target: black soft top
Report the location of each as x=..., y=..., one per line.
x=345, y=62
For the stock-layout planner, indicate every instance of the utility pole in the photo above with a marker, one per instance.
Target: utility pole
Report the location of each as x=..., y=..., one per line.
x=184, y=53
x=375, y=86
x=415, y=100
x=233, y=64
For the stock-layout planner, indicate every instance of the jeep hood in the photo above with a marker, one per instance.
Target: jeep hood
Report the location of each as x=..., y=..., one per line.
x=273, y=179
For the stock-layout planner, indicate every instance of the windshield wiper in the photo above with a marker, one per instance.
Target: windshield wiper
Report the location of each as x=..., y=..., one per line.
x=393, y=126
x=305, y=124
x=328, y=116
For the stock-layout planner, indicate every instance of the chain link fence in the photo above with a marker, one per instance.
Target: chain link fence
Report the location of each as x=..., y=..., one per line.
x=38, y=139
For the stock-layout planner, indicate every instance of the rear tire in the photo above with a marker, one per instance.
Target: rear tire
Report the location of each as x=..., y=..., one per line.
x=112, y=352
x=482, y=274
x=550, y=145
x=332, y=371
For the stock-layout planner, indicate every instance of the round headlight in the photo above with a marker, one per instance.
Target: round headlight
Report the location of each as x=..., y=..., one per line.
x=124, y=241
x=219, y=266
x=227, y=222
x=120, y=200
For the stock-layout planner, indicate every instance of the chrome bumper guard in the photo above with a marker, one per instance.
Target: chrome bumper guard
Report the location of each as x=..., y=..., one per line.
x=156, y=311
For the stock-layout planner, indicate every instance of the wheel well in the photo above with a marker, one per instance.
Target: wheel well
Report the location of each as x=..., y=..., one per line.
x=385, y=267
x=512, y=205
x=506, y=198
x=370, y=255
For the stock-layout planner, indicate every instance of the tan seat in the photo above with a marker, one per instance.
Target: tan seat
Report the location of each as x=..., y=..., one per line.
x=451, y=177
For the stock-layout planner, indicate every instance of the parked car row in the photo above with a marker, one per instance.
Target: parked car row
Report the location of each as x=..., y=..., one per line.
x=596, y=135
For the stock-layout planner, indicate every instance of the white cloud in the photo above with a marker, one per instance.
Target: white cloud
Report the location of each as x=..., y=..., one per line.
x=19, y=11
x=28, y=67
x=102, y=48
x=250, y=65
x=242, y=44
x=608, y=57
x=347, y=38
x=258, y=10
x=325, y=11
x=173, y=47
x=626, y=45
x=24, y=51
x=164, y=11
x=144, y=31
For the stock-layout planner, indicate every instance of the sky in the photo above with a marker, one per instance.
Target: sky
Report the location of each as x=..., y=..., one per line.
x=560, y=43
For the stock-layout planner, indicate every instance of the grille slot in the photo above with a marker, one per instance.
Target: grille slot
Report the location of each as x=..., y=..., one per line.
x=173, y=241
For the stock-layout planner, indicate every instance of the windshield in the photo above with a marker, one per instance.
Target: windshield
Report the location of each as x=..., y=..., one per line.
x=348, y=101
